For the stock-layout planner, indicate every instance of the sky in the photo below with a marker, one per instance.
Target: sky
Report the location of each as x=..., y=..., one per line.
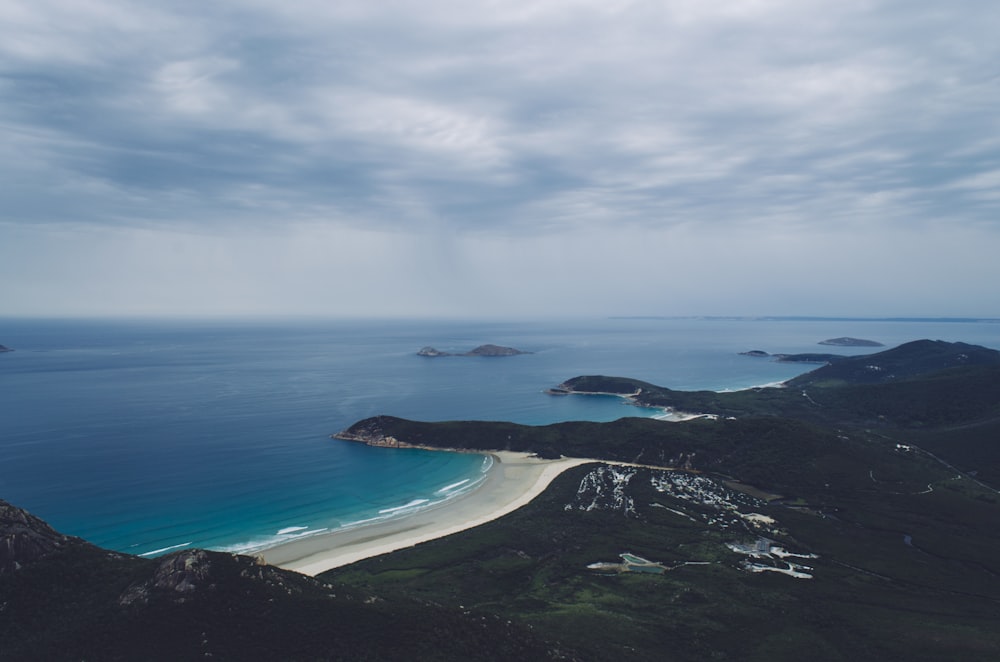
x=479, y=158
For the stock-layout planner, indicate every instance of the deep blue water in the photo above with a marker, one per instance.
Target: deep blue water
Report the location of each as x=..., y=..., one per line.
x=142, y=436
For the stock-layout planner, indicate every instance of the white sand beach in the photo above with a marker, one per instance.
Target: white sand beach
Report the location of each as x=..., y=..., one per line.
x=514, y=480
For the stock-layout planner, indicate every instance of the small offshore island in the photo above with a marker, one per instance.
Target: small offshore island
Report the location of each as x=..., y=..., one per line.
x=482, y=350
x=850, y=342
x=5, y=349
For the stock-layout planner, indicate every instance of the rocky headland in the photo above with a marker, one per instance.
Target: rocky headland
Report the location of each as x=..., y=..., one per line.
x=370, y=433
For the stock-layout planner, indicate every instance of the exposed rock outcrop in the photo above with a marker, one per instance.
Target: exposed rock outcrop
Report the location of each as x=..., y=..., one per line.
x=605, y=488
x=371, y=433
x=189, y=574
x=176, y=576
x=25, y=538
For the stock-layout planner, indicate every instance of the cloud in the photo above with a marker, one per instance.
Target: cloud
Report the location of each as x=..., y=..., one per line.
x=342, y=271
x=461, y=125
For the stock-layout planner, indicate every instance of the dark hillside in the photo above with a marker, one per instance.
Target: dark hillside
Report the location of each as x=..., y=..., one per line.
x=934, y=387
x=74, y=601
x=956, y=396
x=871, y=596
x=919, y=357
x=848, y=516
x=789, y=457
x=971, y=447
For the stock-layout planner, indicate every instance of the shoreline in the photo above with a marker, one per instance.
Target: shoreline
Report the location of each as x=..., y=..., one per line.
x=514, y=480
x=668, y=414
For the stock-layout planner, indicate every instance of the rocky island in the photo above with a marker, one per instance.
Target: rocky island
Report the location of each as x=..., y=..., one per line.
x=5, y=349
x=851, y=342
x=482, y=350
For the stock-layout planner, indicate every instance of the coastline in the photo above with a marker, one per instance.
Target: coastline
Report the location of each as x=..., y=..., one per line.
x=668, y=414
x=513, y=481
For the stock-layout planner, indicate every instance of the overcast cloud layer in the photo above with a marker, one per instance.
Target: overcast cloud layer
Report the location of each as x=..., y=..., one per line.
x=500, y=158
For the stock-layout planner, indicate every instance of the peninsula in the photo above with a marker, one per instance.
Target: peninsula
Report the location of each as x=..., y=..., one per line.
x=815, y=357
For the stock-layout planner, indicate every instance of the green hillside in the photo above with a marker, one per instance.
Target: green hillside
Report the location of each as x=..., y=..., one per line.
x=850, y=515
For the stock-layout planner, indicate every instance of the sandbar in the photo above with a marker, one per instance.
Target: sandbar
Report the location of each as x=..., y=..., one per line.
x=513, y=481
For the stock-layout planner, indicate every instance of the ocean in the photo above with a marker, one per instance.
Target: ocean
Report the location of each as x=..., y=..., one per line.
x=150, y=436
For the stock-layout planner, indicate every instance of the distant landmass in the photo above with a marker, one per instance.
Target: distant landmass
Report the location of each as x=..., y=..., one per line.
x=851, y=342
x=849, y=514
x=810, y=357
x=5, y=349
x=482, y=350
x=814, y=357
x=808, y=318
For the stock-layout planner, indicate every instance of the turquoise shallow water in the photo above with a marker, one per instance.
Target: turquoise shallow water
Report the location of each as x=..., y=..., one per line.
x=149, y=436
